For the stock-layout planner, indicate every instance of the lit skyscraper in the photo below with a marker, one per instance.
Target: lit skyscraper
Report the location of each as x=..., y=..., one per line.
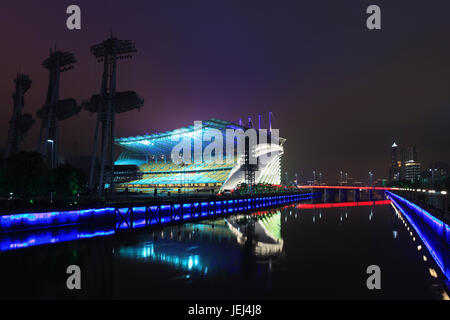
x=404, y=165
x=396, y=164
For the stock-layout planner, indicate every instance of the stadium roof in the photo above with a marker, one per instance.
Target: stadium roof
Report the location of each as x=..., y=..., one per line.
x=163, y=143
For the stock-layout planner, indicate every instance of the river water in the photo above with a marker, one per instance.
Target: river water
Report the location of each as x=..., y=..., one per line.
x=291, y=252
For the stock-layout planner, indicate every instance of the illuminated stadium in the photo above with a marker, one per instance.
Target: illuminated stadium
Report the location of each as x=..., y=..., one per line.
x=151, y=153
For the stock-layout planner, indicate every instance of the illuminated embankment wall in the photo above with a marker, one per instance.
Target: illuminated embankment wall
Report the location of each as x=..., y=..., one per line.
x=434, y=233
x=146, y=214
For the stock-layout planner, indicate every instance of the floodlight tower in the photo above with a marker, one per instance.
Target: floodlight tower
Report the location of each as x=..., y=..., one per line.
x=107, y=104
x=19, y=124
x=55, y=110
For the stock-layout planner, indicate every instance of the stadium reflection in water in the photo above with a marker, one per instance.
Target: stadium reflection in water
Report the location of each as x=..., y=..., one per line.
x=295, y=251
x=261, y=232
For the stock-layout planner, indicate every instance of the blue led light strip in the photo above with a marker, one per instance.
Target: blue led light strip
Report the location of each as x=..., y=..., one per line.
x=431, y=245
x=429, y=219
x=28, y=221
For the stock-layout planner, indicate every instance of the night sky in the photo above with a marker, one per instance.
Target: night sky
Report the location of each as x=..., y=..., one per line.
x=340, y=94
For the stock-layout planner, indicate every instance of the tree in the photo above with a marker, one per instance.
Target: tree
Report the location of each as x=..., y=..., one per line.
x=66, y=181
x=25, y=175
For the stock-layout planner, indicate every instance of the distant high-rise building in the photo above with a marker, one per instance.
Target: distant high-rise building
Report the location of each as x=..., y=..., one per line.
x=404, y=164
x=396, y=164
x=412, y=170
x=409, y=154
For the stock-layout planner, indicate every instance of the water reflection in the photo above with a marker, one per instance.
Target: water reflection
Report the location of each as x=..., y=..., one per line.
x=24, y=240
x=175, y=256
x=261, y=231
x=210, y=247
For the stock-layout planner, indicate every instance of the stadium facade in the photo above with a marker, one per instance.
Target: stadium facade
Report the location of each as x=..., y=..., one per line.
x=151, y=154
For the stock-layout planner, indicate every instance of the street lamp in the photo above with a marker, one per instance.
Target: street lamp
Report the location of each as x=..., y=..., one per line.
x=432, y=176
x=52, y=165
x=52, y=160
x=371, y=177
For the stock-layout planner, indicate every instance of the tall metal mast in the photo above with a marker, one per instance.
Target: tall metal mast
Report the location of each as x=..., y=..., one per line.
x=106, y=105
x=270, y=121
x=55, y=110
x=248, y=167
x=19, y=124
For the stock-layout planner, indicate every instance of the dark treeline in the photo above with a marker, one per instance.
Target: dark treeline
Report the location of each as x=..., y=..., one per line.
x=26, y=180
x=438, y=184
